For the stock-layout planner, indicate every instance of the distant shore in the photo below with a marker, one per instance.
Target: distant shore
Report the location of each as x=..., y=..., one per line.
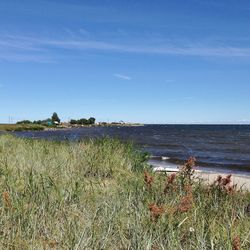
x=21, y=127
x=70, y=126
x=38, y=127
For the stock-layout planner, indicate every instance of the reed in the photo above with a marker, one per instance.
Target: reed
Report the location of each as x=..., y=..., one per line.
x=101, y=194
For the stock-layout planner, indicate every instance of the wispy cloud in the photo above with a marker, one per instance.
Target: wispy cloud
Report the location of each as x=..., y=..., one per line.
x=25, y=48
x=169, y=49
x=26, y=57
x=123, y=77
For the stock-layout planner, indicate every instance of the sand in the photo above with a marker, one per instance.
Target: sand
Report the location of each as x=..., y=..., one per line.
x=242, y=181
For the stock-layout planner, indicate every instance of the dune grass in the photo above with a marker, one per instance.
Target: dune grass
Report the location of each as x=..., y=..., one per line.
x=20, y=127
x=101, y=195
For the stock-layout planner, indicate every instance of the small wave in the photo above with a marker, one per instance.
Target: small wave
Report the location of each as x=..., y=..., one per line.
x=165, y=158
x=161, y=158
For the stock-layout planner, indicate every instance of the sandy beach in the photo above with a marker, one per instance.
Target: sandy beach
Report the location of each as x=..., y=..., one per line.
x=242, y=181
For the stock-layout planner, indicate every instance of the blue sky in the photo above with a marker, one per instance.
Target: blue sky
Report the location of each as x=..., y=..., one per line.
x=142, y=61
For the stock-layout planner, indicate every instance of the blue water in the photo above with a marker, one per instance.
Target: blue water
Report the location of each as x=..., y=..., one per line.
x=216, y=147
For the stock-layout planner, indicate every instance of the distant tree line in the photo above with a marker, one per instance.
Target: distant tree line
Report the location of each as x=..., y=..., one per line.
x=54, y=120
x=83, y=121
x=24, y=122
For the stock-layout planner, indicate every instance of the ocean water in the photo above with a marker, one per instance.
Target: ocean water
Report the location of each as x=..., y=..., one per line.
x=217, y=147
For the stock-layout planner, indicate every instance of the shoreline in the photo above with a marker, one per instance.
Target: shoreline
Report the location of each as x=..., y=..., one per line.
x=162, y=165
x=91, y=126
x=242, y=181
x=38, y=127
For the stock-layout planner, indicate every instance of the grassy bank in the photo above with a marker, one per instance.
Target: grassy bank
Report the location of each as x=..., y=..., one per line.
x=20, y=127
x=96, y=195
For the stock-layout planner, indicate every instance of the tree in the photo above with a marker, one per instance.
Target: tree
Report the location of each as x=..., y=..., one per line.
x=91, y=120
x=83, y=121
x=38, y=122
x=73, y=121
x=24, y=122
x=55, y=118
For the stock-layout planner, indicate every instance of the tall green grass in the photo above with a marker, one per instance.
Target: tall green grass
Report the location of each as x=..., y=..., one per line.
x=93, y=195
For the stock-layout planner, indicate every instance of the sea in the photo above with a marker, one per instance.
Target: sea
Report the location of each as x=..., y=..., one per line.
x=224, y=148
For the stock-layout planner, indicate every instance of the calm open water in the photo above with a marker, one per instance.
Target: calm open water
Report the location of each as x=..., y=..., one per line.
x=217, y=147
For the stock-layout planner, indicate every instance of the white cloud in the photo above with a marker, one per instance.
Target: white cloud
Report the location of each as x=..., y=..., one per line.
x=170, y=49
x=39, y=49
x=123, y=77
x=26, y=57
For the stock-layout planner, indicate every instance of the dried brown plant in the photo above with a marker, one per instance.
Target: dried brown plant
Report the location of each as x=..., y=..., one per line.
x=224, y=183
x=7, y=200
x=148, y=179
x=156, y=211
x=227, y=180
x=170, y=183
x=189, y=189
x=186, y=203
x=236, y=243
x=188, y=169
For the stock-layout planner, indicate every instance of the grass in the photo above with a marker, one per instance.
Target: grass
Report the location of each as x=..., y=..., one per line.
x=20, y=127
x=101, y=195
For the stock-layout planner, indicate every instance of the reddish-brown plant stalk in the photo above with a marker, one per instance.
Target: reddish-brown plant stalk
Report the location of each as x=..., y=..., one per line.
x=224, y=183
x=156, y=211
x=7, y=200
x=186, y=203
x=236, y=243
x=188, y=169
x=170, y=183
x=148, y=179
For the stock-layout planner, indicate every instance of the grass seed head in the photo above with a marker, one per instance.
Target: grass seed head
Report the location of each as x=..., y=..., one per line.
x=185, y=204
x=156, y=211
x=148, y=179
x=227, y=180
x=170, y=183
x=188, y=169
x=7, y=200
x=236, y=243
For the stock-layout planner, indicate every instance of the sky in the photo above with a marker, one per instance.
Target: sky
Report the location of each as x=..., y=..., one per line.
x=143, y=61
